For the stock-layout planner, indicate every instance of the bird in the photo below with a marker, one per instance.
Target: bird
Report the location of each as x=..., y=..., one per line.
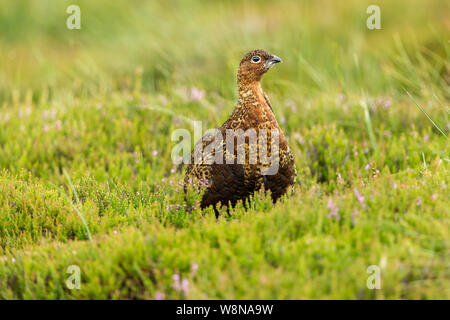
x=215, y=165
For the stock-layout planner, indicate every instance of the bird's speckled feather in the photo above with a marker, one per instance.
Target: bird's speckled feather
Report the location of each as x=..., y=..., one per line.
x=229, y=183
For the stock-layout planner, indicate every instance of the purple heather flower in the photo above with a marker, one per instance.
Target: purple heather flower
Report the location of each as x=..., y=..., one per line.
x=418, y=201
x=197, y=94
x=159, y=296
x=185, y=286
x=177, y=120
x=341, y=97
x=176, y=281
x=360, y=198
x=58, y=125
x=333, y=210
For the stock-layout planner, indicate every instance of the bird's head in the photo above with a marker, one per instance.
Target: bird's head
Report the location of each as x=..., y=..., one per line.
x=254, y=65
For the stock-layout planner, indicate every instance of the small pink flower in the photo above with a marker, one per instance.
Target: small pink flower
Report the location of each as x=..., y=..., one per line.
x=185, y=286
x=341, y=97
x=299, y=138
x=333, y=210
x=154, y=153
x=159, y=296
x=434, y=196
x=203, y=183
x=197, y=94
x=58, y=125
x=360, y=198
x=177, y=121
x=176, y=282
x=418, y=201
x=367, y=167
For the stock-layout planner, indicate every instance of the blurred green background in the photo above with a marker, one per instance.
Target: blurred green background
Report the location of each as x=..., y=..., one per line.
x=325, y=45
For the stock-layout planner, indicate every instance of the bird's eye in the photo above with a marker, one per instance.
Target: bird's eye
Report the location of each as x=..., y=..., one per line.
x=256, y=59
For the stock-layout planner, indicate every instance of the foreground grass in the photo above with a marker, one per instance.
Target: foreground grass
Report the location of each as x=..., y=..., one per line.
x=283, y=252
x=87, y=177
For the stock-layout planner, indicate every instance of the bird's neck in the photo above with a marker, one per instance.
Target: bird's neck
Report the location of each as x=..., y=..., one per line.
x=252, y=101
x=249, y=92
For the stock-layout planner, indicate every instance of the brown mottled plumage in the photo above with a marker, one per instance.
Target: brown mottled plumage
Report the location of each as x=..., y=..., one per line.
x=228, y=183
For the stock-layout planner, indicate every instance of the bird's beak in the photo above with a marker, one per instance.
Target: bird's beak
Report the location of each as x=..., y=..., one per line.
x=272, y=61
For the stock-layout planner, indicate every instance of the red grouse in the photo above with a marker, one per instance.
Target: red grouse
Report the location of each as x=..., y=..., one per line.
x=231, y=174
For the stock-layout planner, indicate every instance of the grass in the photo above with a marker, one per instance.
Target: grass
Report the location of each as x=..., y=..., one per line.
x=87, y=178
